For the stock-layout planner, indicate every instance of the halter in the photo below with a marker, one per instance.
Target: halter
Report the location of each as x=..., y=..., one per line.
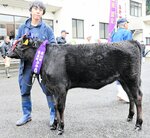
x=17, y=41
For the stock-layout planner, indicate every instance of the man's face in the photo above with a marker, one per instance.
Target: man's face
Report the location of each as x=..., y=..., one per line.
x=63, y=34
x=36, y=13
x=7, y=40
x=126, y=25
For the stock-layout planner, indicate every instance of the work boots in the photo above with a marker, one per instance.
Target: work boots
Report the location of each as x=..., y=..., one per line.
x=26, y=108
x=53, y=120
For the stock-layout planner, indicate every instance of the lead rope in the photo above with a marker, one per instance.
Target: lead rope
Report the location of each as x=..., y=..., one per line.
x=33, y=80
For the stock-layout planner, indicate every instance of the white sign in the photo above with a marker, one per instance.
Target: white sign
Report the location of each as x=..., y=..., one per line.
x=121, y=12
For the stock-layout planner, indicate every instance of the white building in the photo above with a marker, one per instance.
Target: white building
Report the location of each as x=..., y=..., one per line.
x=80, y=18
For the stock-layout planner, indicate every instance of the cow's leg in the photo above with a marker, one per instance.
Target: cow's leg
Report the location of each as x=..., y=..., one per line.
x=137, y=97
x=60, y=113
x=131, y=110
x=131, y=99
x=138, y=103
x=51, y=100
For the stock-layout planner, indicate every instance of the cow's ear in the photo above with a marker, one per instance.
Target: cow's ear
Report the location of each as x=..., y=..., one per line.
x=25, y=41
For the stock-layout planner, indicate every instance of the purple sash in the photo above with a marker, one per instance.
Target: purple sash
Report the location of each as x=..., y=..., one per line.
x=38, y=58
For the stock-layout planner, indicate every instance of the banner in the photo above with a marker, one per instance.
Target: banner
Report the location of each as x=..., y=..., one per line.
x=117, y=10
x=112, y=18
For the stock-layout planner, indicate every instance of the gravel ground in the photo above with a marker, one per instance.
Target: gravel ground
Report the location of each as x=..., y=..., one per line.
x=89, y=113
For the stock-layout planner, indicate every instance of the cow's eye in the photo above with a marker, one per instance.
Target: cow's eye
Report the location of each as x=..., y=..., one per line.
x=34, y=44
x=30, y=41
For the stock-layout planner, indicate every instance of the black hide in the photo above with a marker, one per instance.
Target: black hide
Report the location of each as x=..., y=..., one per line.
x=89, y=66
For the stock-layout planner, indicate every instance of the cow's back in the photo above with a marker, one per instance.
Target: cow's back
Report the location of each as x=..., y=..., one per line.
x=92, y=65
x=96, y=65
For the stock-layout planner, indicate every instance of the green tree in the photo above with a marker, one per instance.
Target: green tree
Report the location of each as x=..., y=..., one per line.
x=147, y=7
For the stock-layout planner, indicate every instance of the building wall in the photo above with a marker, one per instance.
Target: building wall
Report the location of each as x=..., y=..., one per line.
x=21, y=12
x=146, y=30
x=91, y=11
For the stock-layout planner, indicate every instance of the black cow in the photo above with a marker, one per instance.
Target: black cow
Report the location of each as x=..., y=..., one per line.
x=87, y=66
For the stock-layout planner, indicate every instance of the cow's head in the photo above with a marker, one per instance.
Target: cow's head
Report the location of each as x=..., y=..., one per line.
x=24, y=48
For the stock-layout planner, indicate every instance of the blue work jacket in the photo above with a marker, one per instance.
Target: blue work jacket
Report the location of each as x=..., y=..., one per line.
x=121, y=35
x=41, y=31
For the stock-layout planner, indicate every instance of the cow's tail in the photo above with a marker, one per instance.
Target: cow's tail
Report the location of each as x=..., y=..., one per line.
x=141, y=55
x=140, y=47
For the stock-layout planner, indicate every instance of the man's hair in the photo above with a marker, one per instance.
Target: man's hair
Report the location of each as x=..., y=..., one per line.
x=39, y=4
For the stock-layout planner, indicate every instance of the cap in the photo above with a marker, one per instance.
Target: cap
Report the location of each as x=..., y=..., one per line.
x=64, y=31
x=122, y=20
x=37, y=3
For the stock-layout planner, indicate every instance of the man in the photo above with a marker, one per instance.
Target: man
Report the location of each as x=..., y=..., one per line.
x=36, y=28
x=4, y=48
x=122, y=34
x=62, y=38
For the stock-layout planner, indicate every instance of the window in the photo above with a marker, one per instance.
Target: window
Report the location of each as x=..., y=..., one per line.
x=147, y=40
x=6, y=26
x=135, y=9
x=2, y=26
x=49, y=23
x=18, y=21
x=103, y=30
x=9, y=25
x=77, y=28
x=147, y=7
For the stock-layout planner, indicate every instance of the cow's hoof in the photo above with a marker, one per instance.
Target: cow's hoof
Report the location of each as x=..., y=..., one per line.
x=53, y=127
x=60, y=128
x=138, y=128
x=129, y=119
x=60, y=132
